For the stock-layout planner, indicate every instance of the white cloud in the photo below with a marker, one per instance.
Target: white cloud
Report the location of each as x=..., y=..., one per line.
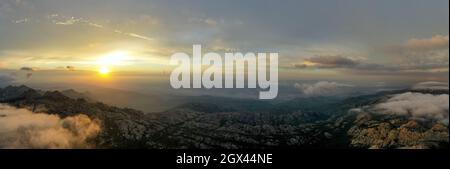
x=25, y=20
x=20, y=128
x=67, y=21
x=204, y=21
x=322, y=88
x=417, y=105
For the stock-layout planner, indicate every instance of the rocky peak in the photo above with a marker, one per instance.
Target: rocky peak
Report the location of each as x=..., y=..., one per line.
x=55, y=95
x=13, y=92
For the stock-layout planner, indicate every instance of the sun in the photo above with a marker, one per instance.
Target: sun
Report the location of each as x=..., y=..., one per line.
x=103, y=71
x=115, y=58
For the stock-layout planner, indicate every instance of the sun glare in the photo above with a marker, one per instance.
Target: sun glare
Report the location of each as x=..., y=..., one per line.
x=113, y=58
x=103, y=71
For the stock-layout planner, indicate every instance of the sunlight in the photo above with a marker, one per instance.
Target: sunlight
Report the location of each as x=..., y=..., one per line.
x=103, y=71
x=114, y=58
x=309, y=63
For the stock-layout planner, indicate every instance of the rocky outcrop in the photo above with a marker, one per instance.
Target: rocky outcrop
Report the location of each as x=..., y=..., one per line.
x=371, y=129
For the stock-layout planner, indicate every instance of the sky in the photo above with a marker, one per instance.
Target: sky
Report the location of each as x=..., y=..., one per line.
x=383, y=41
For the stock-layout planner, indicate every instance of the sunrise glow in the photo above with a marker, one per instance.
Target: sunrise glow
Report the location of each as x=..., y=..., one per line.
x=114, y=58
x=103, y=71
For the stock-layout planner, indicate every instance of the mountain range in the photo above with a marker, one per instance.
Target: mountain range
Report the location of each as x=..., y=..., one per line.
x=382, y=120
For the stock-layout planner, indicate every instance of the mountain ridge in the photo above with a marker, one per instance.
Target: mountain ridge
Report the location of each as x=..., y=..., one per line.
x=199, y=125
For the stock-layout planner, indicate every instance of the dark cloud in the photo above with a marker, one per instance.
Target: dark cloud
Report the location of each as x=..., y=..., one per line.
x=342, y=62
x=332, y=61
x=300, y=65
x=336, y=61
x=70, y=68
x=28, y=69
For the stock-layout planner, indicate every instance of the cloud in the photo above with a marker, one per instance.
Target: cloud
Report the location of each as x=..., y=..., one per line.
x=434, y=43
x=139, y=36
x=417, y=105
x=68, y=21
x=331, y=61
x=415, y=55
x=20, y=128
x=431, y=85
x=204, y=21
x=322, y=88
x=28, y=69
x=341, y=62
x=25, y=20
x=70, y=68
x=422, y=54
